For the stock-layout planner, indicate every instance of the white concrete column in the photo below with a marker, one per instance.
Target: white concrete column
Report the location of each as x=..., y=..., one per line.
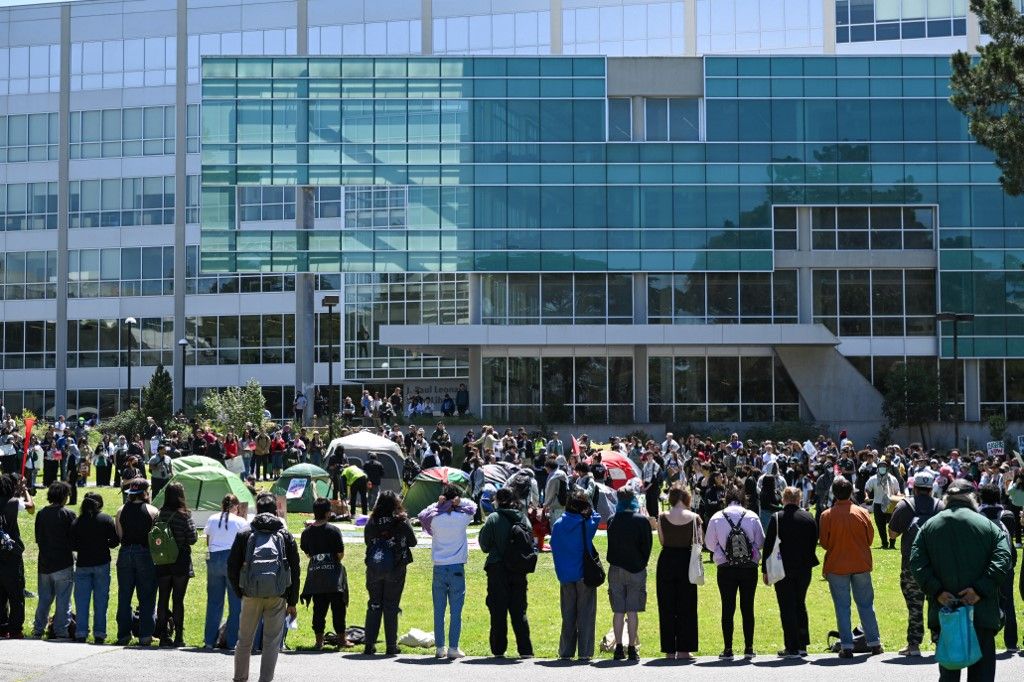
x=828, y=15
x=973, y=32
x=972, y=390
x=178, y=372
x=690, y=28
x=475, y=382
x=556, y=27
x=60, y=386
x=476, y=298
x=804, y=276
x=639, y=121
x=427, y=27
x=639, y=298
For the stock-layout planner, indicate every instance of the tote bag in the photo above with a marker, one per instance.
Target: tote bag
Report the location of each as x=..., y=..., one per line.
x=696, y=572
x=774, y=570
x=958, y=646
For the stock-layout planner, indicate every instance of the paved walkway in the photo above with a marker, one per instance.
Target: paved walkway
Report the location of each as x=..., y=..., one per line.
x=35, y=660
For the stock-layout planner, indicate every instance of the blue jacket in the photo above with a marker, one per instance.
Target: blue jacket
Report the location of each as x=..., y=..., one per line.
x=567, y=545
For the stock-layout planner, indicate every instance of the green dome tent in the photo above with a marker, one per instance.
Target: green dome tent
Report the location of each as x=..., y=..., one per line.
x=206, y=486
x=301, y=484
x=429, y=484
x=192, y=461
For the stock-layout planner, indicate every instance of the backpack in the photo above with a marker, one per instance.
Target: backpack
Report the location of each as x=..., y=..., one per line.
x=162, y=545
x=9, y=547
x=520, y=553
x=265, y=572
x=918, y=521
x=563, y=491
x=738, y=549
x=162, y=468
x=520, y=485
x=381, y=555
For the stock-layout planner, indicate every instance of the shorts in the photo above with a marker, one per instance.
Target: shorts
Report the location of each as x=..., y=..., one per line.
x=627, y=591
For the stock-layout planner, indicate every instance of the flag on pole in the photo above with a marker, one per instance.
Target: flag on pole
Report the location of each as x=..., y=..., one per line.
x=575, y=445
x=29, y=423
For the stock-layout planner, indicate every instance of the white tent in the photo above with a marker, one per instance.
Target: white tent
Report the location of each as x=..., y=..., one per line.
x=358, y=447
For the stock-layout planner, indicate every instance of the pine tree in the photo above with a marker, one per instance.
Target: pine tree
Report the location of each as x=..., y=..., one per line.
x=158, y=397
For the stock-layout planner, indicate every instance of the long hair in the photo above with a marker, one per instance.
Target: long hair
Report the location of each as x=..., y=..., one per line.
x=226, y=505
x=388, y=504
x=92, y=503
x=174, y=497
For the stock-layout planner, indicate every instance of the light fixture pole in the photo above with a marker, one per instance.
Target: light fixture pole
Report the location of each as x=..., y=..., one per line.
x=183, y=345
x=330, y=302
x=956, y=319
x=130, y=322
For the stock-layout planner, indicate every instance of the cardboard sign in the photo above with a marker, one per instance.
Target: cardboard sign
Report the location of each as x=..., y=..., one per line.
x=994, y=448
x=296, y=488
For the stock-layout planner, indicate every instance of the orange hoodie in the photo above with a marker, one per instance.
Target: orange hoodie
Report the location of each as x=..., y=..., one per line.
x=846, y=532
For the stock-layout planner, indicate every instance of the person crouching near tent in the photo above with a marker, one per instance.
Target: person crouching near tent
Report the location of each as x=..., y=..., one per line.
x=326, y=584
x=446, y=522
x=389, y=539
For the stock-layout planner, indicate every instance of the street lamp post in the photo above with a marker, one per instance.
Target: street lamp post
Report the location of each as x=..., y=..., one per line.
x=330, y=302
x=183, y=345
x=130, y=322
x=956, y=319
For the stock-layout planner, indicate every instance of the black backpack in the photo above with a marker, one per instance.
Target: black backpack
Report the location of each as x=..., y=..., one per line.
x=520, y=486
x=563, y=491
x=520, y=552
x=738, y=549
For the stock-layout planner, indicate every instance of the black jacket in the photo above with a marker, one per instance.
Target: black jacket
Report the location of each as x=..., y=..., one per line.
x=92, y=537
x=629, y=541
x=374, y=471
x=270, y=523
x=799, y=535
x=397, y=530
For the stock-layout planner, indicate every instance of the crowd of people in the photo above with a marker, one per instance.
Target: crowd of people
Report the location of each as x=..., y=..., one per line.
x=759, y=510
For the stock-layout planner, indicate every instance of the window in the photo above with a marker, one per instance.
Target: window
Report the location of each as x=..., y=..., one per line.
x=673, y=119
x=28, y=275
x=31, y=206
x=129, y=202
x=620, y=119
x=880, y=20
x=28, y=345
x=722, y=298
x=116, y=64
x=696, y=388
x=557, y=299
x=139, y=131
x=875, y=302
x=499, y=33
x=28, y=137
x=731, y=26
x=627, y=29
x=32, y=69
x=876, y=227
x=146, y=271
x=104, y=342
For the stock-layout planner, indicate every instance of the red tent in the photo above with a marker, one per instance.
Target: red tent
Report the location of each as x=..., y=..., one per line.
x=620, y=467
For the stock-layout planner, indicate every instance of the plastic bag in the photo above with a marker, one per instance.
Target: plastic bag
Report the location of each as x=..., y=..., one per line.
x=958, y=646
x=418, y=639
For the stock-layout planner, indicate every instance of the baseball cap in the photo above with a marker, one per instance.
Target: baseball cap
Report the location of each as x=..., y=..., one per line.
x=924, y=479
x=960, y=487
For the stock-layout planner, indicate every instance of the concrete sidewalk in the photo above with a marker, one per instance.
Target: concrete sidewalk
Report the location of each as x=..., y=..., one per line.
x=35, y=660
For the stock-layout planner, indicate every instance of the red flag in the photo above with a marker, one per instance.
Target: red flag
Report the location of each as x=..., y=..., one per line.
x=29, y=423
x=575, y=445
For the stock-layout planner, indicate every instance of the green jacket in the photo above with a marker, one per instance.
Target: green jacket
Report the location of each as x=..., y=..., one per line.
x=957, y=549
x=493, y=536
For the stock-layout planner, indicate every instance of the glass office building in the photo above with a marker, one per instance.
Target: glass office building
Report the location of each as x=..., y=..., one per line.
x=705, y=211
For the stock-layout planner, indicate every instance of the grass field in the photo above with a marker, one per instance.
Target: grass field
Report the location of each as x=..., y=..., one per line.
x=544, y=615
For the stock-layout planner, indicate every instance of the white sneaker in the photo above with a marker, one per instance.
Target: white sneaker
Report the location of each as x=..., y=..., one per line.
x=441, y=652
x=455, y=654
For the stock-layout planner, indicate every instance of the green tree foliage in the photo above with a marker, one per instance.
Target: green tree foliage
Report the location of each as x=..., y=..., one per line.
x=913, y=397
x=235, y=406
x=158, y=397
x=989, y=90
x=128, y=423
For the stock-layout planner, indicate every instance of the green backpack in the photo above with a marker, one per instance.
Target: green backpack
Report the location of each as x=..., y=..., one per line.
x=162, y=545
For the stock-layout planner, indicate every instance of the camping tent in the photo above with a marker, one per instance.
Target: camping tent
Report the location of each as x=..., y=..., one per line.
x=429, y=484
x=358, y=447
x=205, y=488
x=496, y=474
x=301, y=484
x=180, y=464
x=620, y=467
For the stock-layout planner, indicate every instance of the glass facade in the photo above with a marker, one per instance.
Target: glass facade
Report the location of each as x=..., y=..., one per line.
x=882, y=20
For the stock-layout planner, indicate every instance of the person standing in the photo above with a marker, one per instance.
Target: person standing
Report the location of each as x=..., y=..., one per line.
x=336, y=463
x=299, y=408
x=910, y=514
x=374, y=477
x=880, y=490
x=971, y=575
x=136, y=573
x=572, y=536
x=846, y=534
x=264, y=571
x=798, y=533
x=1005, y=520
x=12, y=564
x=261, y=456
x=462, y=400
x=506, y=587
x=446, y=522
x=629, y=550
x=389, y=539
x=652, y=476
x=680, y=532
x=93, y=535
x=355, y=480
x=220, y=531
x=326, y=584
x=172, y=578
x=160, y=469
x=556, y=489
x=735, y=538
x=56, y=561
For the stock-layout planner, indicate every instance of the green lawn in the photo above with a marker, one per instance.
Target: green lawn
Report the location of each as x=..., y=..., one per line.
x=543, y=597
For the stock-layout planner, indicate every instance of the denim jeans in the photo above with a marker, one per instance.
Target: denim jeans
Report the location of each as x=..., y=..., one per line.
x=246, y=465
x=216, y=586
x=864, y=595
x=92, y=583
x=54, y=586
x=449, y=590
x=135, y=574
